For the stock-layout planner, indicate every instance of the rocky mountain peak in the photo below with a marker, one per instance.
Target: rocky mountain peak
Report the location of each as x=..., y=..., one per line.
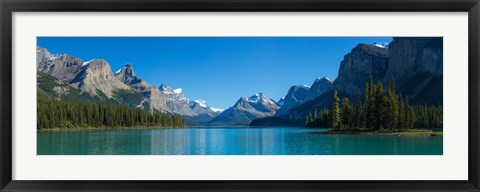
x=258, y=97
x=319, y=86
x=164, y=87
x=127, y=75
x=198, y=102
x=295, y=95
x=246, y=110
x=96, y=75
x=357, y=66
x=42, y=55
x=323, y=79
x=63, y=67
x=371, y=49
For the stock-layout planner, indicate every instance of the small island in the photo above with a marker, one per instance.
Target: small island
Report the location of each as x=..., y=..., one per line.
x=381, y=113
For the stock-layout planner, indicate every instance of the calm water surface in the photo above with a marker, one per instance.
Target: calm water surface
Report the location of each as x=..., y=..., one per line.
x=229, y=141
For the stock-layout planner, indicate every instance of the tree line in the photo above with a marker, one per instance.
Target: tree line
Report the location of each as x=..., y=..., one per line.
x=381, y=110
x=61, y=114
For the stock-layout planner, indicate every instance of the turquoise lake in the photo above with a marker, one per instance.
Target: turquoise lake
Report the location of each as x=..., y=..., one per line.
x=230, y=141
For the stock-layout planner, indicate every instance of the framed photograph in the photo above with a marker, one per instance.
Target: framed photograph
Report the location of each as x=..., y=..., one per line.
x=239, y=95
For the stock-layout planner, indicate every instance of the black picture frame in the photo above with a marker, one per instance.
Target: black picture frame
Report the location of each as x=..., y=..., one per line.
x=7, y=7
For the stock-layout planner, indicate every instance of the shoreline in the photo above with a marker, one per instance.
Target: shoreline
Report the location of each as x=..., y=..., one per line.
x=111, y=128
x=389, y=133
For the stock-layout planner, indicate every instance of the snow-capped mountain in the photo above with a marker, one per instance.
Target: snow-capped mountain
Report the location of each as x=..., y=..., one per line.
x=196, y=110
x=246, y=110
x=202, y=112
x=96, y=78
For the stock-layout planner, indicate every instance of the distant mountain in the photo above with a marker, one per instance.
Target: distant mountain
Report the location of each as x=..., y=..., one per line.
x=295, y=95
x=245, y=110
x=196, y=110
x=202, y=112
x=416, y=65
x=319, y=86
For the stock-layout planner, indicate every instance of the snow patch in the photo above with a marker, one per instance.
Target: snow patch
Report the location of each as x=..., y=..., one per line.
x=86, y=63
x=53, y=57
x=255, y=98
x=117, y=72
x=178, y=91
x=200, y=102
x=260, y=98
x=304, y=86
x=325, y=78
x=381, y=45
x=217, y=109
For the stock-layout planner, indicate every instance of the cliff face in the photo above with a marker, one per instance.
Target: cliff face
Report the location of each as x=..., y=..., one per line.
x=64, y=67
x=409, y=56
x=95, y=76
x=152, y=96
x=415, y=63
x=357, y=66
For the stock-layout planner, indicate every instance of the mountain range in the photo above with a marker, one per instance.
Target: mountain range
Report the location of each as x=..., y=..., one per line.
x=246, y=110
x=414, y=63
x=65, y=77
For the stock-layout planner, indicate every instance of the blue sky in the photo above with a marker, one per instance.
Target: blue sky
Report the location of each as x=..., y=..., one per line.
x=218, y=70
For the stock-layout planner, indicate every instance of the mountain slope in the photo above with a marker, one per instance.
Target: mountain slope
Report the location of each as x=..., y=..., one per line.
x=153, y=98
x=93, y=77
x=49, y=87
x=319, y=86
x=246, y=110
x=295, y=95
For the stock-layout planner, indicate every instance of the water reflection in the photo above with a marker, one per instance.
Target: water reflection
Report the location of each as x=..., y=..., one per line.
x=229, y=141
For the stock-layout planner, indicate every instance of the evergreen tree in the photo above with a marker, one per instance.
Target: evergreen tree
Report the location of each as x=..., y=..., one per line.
x=391, y=107
x=408, y=120
x=335, y=112
x=346, y=114
x=357, y=114
x=379, y=111
x=60, y=114
x=401, y=113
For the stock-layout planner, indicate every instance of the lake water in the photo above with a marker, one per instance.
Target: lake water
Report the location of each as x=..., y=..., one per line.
x=229, y=141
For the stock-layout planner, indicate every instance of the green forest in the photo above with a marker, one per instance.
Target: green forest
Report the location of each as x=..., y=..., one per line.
x=62, y=114
x=381, y=110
